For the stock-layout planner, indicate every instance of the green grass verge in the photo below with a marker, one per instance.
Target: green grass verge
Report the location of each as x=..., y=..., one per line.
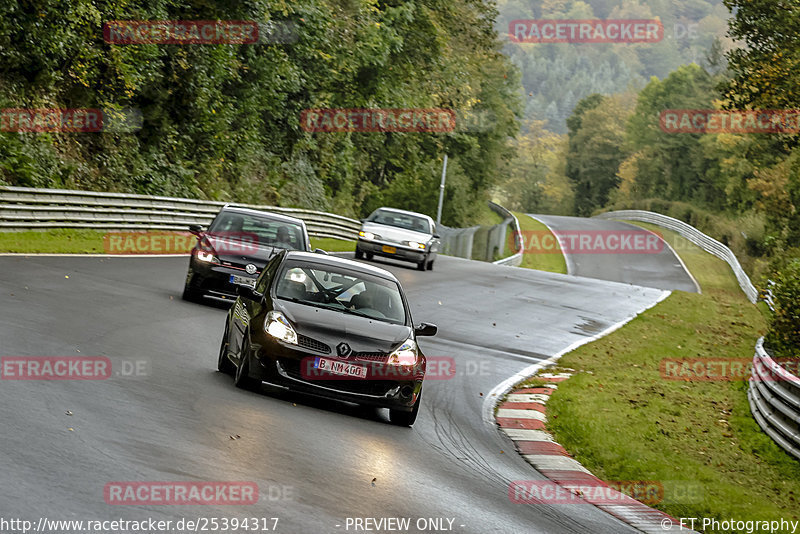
x=330, y=244
x=73, y=241
x=553, y=262
x=61, y=241
x=623, y=421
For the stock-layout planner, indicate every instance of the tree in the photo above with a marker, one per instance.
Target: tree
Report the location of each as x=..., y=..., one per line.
x=596, y=149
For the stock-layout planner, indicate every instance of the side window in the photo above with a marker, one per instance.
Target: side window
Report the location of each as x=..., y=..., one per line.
x=267, y=274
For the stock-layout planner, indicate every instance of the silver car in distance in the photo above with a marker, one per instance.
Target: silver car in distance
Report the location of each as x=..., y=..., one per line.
x=401, y=235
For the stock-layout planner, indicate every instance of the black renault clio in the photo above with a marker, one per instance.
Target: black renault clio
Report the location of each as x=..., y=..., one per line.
x=330, y=327
x=235, y=248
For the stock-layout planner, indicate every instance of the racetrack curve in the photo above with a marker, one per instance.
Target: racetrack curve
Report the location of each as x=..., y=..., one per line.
x=332, y=460
x=660, y=268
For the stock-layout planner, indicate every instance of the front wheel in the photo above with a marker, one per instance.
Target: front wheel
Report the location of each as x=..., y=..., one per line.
x=401, y=418
x=421, y=266
x=242, y=380
x=359, y=254
x=224, y=365
x=191, y=295
x=430, y=265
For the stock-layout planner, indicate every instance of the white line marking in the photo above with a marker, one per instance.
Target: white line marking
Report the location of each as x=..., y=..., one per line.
x=528, y=397
x=489, y=402
x=555, y=462
x=524, y=434
x=686, y=269
x=567, y=259
x=521, y=414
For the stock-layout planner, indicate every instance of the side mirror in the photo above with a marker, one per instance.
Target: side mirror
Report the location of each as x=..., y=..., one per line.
x=320, y=251
x=426, y=329
x=196, y=229
x=436, y=236
x=249, y=293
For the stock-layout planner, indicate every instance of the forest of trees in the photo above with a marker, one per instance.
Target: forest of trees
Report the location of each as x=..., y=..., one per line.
x=556, y=76
x=565, y=128
x=743, y=188
x=222, y=121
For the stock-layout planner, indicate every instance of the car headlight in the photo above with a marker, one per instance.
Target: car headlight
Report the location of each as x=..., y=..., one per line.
x=207, y=257
x=367, y=235
x=414, y=244
x=279, y=327
x=405, y=354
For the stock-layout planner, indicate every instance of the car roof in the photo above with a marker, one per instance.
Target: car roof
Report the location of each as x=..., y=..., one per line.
x=261, y=213
x=406, y=212
x=338, y=261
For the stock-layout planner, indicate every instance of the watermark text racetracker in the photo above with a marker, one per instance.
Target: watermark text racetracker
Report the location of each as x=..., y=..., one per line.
x=69, y=368
x=728, y=369
x=144, y=242
x=181, y=493
x=46, y=525
x=617, y=492
x=715, y=121
x=70, y=120
x=587, y=242
x=437, y=368
x=378, y=120
x=586, y=31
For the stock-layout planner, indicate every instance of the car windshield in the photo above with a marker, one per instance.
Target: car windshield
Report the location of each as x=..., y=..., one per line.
x=262, y=230
x=330, y=287
x=401, y=220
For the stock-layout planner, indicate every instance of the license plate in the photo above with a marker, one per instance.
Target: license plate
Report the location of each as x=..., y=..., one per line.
x=340, y=368
x=388, y=249
x=243, y=281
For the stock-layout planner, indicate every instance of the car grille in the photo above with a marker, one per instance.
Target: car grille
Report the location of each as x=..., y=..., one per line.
x=312, y=344
x=370, y=356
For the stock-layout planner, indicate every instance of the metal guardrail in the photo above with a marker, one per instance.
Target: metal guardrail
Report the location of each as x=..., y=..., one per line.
x=482, y=243
x=773, y=392
x=23, y=208
x=767, y=295
x=694, y=235
x=774, y=396
x=457, y=241
x=516, y=258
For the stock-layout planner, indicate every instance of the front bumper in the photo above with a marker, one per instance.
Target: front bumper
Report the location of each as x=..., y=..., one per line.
x=213, y=279
x=377, y=248
x=289, y=366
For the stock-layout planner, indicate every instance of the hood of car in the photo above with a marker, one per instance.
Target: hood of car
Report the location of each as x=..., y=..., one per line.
x=395, y=234
x=334, y=327
x=240, y=253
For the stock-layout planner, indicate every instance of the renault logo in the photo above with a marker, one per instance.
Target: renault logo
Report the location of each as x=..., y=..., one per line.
x=250, y=268
x=343, y=350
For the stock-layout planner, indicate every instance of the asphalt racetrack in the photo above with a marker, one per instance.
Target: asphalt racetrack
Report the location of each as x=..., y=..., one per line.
x=657, y=267
x=166, y=414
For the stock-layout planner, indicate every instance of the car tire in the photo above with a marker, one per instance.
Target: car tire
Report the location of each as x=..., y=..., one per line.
x=368, y=256
x=242, y=379
x=430, y=265
x=224, y=364
x=422, y=265
x=359, y=254
x=191, y=295
x=400, y=418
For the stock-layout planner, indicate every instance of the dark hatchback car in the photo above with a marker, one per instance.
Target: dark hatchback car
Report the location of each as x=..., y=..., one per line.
x=236, y=247
x=330, y=327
